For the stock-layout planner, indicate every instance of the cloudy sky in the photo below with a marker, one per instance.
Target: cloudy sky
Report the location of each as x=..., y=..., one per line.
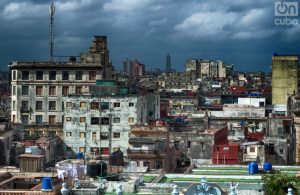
x=239, y=32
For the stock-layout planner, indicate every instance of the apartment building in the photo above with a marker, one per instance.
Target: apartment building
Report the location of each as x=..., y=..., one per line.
x=38, y=88
x=99, y=126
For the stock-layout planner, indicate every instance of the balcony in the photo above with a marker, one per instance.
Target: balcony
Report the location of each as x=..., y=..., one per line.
x=143, y=152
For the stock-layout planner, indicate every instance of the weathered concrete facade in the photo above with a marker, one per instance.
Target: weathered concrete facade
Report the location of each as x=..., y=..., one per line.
x=38, y=88
x=285, y=71
x=100, y=125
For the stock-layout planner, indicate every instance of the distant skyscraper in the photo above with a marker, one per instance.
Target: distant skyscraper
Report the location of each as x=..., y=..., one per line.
x=168, y=63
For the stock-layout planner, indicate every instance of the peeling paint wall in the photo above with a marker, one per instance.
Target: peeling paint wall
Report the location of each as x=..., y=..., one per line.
x=82, y=130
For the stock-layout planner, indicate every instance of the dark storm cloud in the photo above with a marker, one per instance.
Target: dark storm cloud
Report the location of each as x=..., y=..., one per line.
x=239, y=32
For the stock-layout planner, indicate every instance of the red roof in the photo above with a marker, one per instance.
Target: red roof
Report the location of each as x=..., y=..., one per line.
x=238, y=89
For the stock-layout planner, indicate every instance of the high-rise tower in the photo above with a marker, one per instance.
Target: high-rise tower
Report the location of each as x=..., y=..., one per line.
x=168, y=63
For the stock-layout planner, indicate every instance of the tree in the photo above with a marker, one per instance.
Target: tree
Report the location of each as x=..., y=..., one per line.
x=279, y=183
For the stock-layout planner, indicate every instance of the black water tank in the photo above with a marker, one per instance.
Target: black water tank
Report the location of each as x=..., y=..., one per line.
x=102, y=169
x=92, y=169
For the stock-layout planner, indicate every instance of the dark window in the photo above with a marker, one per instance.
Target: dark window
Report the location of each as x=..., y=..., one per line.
x=78, y=75
x=104, y=121
x=271, y=149
x=94, y=120
x=131, y=104
x=24, y=119
x=65, y=75
x=117, y=104
x=52, y=75
x=95, y=105
x=25, y=90
x=65, y=90
x=117, y=135
x=38, y=105
x=104, y=105
x=103, y=135
x=25, y=75
x=261, y=104
x=78, y=90
x=39, y=119
x=39, y=75
x=92, y=75
x=52, y=105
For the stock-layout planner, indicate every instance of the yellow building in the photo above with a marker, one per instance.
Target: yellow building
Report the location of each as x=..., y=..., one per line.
x=284, y=77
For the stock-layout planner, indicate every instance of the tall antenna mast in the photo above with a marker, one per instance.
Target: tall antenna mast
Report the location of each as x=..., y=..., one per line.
x=51, y=11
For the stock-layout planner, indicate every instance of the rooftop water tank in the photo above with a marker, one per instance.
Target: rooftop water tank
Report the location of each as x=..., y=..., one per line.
x=253, y=168
x=79, y=155
x=267, y=167
x=47, y=184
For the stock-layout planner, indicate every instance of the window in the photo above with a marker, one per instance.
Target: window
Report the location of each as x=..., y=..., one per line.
x=280, y=151
x=68, y=134
x=117, y=104
x=131, y=104
x=52, y=119
x=69, y=104
x=261, y=104
x=25, y=90
x=82, y=104
x=82, y=134
x=24, y=106
x=94, y=136
x=78, y=75
x=78, y=90
x=69, y=149
x=116, y=135
x=14, y=75
x=94, y=120
x=104, y=135
x=104, y=105
x=39, y=90
x=14, y=90
x=95, y=150
x=252, y=149
x=116, y=120
x=68, y=119
x=94, y=105
x=52, y=75
x=52, y=105
x=130, y=120
x=65, y=90
x=104, y=151
x=25, y=75
x=81, y=149
x=82, y=119
x=39, y=119
x=52, y=90
x=146, y=164
x=104, y=121
x=65, y=75
x=24, y=119
x=92, y=75
x=38, y=105
x=39, y=75
x=14, y=105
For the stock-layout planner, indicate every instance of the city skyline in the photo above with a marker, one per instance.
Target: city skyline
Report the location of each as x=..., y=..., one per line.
x=241, y=33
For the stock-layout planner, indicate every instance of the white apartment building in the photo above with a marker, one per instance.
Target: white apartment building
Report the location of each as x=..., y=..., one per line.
x=38, y=88
x=99, y=126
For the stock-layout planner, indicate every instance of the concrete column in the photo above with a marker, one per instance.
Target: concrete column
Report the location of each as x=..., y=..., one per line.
x=175, y=190
x=119, y=190
x=290, y=191
x=64, y=189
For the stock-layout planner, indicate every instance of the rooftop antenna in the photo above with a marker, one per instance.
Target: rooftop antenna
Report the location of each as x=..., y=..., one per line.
x=51, y=11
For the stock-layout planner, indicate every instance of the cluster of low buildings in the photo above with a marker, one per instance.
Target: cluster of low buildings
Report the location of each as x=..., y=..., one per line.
x=161, y=122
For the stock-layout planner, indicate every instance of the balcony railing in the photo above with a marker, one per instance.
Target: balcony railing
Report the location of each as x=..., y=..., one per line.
x=141, y=151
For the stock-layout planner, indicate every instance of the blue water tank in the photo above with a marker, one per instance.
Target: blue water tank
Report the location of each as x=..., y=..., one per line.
x=47, y=184
x=267, y=166
x=253, y=168
x=79, y=155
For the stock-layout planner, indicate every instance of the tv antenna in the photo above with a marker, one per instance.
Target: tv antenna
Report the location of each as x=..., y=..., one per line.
x=51, y=11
